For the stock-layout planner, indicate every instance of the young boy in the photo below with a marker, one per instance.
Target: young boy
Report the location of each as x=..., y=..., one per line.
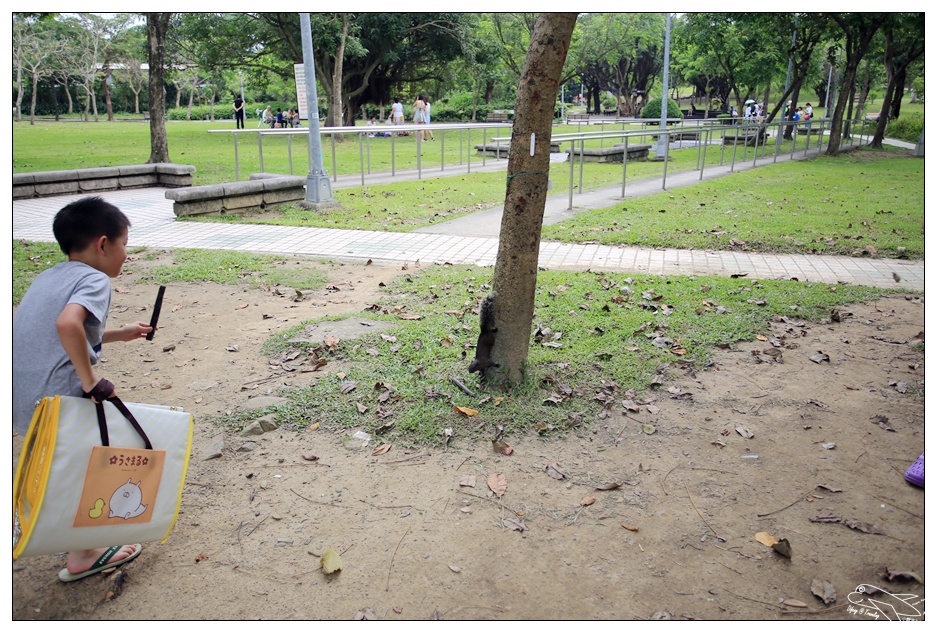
x=59, y=327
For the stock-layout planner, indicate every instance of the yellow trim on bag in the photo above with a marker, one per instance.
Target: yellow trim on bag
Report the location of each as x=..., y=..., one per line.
x=188, y=454
x=32, y=474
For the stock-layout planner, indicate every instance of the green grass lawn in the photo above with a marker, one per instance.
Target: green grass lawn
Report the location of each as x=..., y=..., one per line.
x=867, y=203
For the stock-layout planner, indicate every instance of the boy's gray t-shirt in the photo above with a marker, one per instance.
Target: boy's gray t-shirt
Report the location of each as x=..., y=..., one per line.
x=40, y=365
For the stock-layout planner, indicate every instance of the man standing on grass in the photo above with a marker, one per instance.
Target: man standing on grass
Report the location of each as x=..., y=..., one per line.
x=239, y=112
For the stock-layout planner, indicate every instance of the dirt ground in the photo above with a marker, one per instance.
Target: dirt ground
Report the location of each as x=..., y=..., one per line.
x=675, y=539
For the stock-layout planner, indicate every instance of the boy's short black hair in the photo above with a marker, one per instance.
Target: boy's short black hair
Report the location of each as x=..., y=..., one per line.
x=80, y=223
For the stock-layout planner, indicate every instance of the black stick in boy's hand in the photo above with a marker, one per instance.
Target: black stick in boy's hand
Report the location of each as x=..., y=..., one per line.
x=156, y=308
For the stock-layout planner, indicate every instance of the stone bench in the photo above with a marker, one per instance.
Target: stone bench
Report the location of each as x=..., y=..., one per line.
x=97, y=179
x=258, y=193
x=615, y=153
x=503, y=149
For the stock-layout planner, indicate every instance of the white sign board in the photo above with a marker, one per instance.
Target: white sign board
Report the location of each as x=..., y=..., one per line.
x=299, y=70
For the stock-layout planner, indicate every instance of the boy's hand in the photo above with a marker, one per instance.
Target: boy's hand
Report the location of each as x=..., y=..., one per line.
x=129, y=332
x=101, y=391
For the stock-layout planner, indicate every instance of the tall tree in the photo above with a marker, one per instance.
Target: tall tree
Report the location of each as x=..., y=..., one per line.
x=525, y=200
x=903, y=44
x=859, y=30
x=157, y=24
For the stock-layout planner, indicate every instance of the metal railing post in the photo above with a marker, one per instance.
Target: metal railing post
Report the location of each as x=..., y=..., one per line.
x=236, y=161
x=571, y=170
x=361, y=154
x=708, y=134
x=581, y=163
x=483, y=146
x=334, y=159
x=418, y=156
x=260, y=148
x=392, y=153
x=289, y=152
x=442, y=165
x=734, y=153
x=666, y=141
x=624, y=175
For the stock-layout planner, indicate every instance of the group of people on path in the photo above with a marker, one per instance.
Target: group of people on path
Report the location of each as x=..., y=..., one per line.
x=421, y=115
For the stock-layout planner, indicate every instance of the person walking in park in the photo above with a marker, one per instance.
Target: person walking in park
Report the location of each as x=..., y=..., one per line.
x=59, y=328
x=396, y=112
x=428, y=118
x=419, y=114
x=239, y=112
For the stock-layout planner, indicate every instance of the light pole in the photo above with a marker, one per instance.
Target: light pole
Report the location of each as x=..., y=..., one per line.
x=318, y=187
x=663, y=145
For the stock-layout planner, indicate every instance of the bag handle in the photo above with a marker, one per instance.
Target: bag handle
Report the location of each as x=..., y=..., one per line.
x=102, y=421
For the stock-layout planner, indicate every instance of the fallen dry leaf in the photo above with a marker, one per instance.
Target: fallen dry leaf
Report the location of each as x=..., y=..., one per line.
x=470, y=412
x=308, y=456
x=467, y=480
x=515, y=524
x=765, y=538
x=823, y=589
x=553, y=470
x=607, y=487
x=747, y=433
x=588, y=500
x=795, y=603
x=382, y=449
x=497, y=482
x=630, y=527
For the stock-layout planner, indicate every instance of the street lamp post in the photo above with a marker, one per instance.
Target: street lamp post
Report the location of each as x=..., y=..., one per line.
x=318, y=187
x=663, y=145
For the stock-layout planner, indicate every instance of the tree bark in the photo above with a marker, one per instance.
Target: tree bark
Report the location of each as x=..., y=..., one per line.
x=107, y=97
x=334, y=117
x=156, y=26
x=525, y=201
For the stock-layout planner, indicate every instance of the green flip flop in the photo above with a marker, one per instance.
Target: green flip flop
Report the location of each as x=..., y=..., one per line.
x=102, y=563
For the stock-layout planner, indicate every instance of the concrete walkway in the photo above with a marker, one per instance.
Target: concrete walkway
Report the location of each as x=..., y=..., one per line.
x=473, y=239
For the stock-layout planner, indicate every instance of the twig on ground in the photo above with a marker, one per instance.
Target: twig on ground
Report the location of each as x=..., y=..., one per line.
x=665, y=477
x=782, y=508
x=319, y=502
x=258, y=525
x=766, y=603
x=390, y=569
x=409, y=458
x=714, y=532
x=884, y=500
x=386, y=506
x=824, y=610
x=462, y=386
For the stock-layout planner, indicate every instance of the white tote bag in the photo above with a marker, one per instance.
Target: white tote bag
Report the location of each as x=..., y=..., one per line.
x=94, y=475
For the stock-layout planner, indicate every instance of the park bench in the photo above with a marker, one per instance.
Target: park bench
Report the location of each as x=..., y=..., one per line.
x=93, y=180
x=749, y=136
x=615, y=153
x=500, y=150
x=256, y=194
x=577, y=117
x=498, y=117
x=684, y=136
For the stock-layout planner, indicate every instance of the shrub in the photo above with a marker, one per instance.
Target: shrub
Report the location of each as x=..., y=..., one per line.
x=908, y=127
x=654, y=109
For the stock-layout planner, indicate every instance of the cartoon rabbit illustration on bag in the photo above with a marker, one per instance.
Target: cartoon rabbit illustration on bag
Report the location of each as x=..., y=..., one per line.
x=127, y=501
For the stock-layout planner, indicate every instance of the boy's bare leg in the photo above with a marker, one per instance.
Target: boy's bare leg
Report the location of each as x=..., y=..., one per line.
x=80, y=561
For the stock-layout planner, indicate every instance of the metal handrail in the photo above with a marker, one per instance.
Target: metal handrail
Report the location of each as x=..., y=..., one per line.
x=706, y=128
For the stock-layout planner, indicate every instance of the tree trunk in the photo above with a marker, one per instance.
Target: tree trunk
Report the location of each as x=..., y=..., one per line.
x=525, y=201
x=191, y=97
x=156, y=26
x=32, y=107
x=334, y=117
x=898, y=93
x=865, y=87
x=19, y=89
x=107, y=97
x=877, y=141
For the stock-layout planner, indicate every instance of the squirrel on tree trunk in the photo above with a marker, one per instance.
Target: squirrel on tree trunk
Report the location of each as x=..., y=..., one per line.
x=482, y=361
